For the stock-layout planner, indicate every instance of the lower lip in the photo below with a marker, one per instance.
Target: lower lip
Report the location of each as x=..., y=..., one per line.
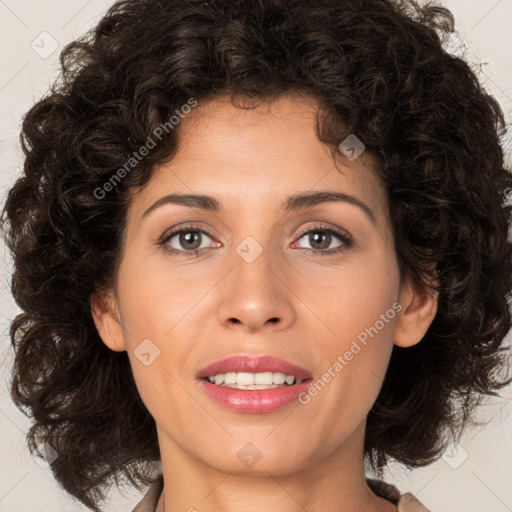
x=255, y=400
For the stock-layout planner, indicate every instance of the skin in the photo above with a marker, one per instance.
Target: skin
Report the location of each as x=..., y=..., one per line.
x=200, y=308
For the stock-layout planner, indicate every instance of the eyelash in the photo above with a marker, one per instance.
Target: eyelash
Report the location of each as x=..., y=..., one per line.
x=342, y=235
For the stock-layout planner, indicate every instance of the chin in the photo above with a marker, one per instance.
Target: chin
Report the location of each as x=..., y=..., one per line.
x=257, y=459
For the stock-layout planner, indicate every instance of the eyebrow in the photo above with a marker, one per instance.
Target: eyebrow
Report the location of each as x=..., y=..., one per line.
x=295, y=202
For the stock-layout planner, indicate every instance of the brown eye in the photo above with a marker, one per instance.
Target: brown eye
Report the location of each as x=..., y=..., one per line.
x=190, y=239
x=186, y=240
x=321, y=238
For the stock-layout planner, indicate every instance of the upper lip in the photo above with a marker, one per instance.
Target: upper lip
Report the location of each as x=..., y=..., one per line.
x=260, y=364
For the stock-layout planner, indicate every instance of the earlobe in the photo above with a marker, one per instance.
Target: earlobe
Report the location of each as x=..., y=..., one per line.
x=106, y=319
x=419, y=308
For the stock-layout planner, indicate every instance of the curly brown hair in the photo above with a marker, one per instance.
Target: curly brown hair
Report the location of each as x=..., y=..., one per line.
x=376, y=68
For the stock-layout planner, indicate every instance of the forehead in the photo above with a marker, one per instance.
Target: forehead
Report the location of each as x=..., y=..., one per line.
x=258, y=157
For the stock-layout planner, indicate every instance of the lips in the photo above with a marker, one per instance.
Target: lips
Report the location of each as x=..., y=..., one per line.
x=256, y=401
x=242, y=363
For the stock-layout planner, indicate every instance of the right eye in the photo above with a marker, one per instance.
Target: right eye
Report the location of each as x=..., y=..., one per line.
x=188, y=237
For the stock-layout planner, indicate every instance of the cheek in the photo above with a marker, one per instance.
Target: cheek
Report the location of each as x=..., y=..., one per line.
x=158, y=321
x=156, y=301
x=360, y=311
x=357, y=300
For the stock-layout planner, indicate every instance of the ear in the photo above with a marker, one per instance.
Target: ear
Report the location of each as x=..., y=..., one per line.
x=419, y=307
x=106, y=318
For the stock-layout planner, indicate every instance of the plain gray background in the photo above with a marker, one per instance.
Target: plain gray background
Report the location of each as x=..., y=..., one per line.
x=474, y=475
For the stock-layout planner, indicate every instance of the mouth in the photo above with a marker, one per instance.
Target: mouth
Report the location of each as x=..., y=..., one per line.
x=242, y=370
x=247, y=380
x=254, y=384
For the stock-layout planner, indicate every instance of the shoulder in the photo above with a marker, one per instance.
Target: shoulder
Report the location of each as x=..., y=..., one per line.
x=150, y=499
x=405, y=502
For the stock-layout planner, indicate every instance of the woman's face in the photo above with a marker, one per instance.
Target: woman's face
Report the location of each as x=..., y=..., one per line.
x=259, y=286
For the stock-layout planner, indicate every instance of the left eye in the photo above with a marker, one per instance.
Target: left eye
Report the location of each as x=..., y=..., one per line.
x=320, y=239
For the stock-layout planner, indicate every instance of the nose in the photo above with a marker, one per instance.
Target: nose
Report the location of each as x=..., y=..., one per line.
x=255, y=295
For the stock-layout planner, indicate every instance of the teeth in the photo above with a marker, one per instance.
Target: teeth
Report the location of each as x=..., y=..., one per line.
x=264, y=378
x=229, y=378
x=247, y=380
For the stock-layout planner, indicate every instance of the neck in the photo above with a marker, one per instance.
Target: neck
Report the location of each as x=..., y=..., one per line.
x=332, y=484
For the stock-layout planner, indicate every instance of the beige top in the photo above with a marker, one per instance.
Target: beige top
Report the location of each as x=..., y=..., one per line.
x=405, y=502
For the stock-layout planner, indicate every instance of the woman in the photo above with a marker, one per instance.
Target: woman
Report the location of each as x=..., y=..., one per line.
x=339, y=178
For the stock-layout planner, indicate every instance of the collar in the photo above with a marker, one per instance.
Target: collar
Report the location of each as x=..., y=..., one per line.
x=405, y=502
